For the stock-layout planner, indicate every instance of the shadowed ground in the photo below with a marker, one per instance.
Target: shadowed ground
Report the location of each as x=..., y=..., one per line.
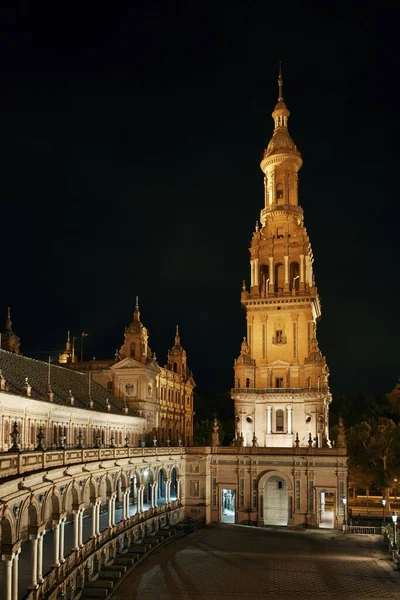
x=230, y=561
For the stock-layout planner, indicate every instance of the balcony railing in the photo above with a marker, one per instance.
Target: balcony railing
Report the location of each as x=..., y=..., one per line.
x=282, y=390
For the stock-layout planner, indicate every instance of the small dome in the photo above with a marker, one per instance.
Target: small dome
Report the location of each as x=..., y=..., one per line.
x=281, y=142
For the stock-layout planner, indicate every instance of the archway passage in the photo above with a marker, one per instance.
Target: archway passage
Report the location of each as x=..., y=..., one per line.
x=327, y=510
x=228, y=506
x=276, y=501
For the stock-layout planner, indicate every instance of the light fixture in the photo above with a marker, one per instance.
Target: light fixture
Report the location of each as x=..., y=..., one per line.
x=394, y=517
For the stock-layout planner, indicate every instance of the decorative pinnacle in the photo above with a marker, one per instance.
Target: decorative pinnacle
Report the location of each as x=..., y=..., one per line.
x=137, y=311
x=280, y=82
x=177, y=338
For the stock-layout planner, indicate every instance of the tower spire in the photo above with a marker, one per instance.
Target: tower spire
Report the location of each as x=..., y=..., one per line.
x=136, y=314
x=280, y=83
x=177, y=337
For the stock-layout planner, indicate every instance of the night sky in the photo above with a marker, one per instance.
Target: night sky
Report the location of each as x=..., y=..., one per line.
x=130, y=147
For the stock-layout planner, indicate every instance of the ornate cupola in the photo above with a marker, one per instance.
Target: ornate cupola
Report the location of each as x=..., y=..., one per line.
x=66, y=356
x=10, y=341
x=136, y=339
x=177, y=360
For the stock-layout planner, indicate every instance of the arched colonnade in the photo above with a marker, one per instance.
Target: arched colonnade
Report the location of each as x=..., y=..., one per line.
x=49, y=516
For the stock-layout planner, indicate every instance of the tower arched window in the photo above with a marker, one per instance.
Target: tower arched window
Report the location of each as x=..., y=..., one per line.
x=175, y=367
x=247, y=382
x=238, y=382
x=279, y=420
x=279, y=279
x=279, y=194
x=133, y=347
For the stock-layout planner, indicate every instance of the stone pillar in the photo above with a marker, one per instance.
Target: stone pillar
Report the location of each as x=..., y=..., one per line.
x=15, y=576
x=40, y=558
x=110, y=504
x=98, y=508
x=94, y=511
x=301, y=280
x=114, y=499
x=56, y=551
x=80, y=528
x=251, y=273
x=256, y=271
x=152, y=490
x=271, y=273
x=269, y=419
x=286, y=258
x=8, y=565
x=156, y=494
x=34, y=561
x=289, y=419
x=124, y=513
x=178, y=489
x=62, y=524
x=76, y=530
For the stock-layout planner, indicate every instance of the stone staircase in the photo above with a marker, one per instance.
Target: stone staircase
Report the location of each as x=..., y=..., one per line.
x=110, y=575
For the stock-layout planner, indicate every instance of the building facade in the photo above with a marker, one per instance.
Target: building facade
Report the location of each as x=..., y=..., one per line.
x=162, y=395
x=282, y=469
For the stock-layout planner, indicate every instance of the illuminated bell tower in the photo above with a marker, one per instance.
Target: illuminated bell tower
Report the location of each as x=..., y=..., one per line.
x=281, y=378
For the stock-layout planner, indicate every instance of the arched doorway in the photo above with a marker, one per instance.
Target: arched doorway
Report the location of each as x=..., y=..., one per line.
x=173, y=489
x=161, y=488
x=276, y=501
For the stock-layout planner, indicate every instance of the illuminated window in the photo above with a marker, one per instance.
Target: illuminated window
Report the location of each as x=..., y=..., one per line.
x=279, y=382
x=279, y=336
x=279, y=420
x=280, y=233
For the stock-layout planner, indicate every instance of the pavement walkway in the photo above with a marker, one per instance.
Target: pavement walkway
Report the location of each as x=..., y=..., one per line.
x=230, y=561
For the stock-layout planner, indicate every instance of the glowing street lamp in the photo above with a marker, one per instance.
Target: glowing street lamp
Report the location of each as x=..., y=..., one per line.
x=394, y=519
x=384, y=510
x=344, y=500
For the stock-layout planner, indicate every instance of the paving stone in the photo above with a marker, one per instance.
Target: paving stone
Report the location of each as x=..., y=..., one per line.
x=228, y=561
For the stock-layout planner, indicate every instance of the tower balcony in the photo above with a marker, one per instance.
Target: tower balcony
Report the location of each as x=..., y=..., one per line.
x=282, y=391
x=274, y=208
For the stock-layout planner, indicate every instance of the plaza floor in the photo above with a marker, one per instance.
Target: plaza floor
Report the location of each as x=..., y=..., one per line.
x=230, y=561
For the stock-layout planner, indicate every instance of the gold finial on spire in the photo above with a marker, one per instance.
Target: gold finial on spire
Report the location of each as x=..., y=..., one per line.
x=8, y=322
x=136, y=314
x=280, y=82
x=177, y=337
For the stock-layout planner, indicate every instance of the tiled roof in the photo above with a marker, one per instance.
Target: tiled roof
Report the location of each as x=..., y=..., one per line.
x=15, y=368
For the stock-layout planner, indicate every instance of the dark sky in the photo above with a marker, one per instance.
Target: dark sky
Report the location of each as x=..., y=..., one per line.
x=130, y=147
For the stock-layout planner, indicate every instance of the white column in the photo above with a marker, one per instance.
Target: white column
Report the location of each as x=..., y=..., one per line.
x=109, y=508
x=56, y=533
x=15, y=577
x=94, y=510
x=40, y=558
x=113, y=508
x=80, y=529
x=301, y=268
x=271, y=272
x=123, y=506
x=269, y=419
x=141, y=498
x=256, y=271
x=151, y=495
x=289, y=419
x=156, y=494
x=62, y=523
x=98, y=507
x=8, y=564
x=34, y=561
x=286, y=269
x=76, y=530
